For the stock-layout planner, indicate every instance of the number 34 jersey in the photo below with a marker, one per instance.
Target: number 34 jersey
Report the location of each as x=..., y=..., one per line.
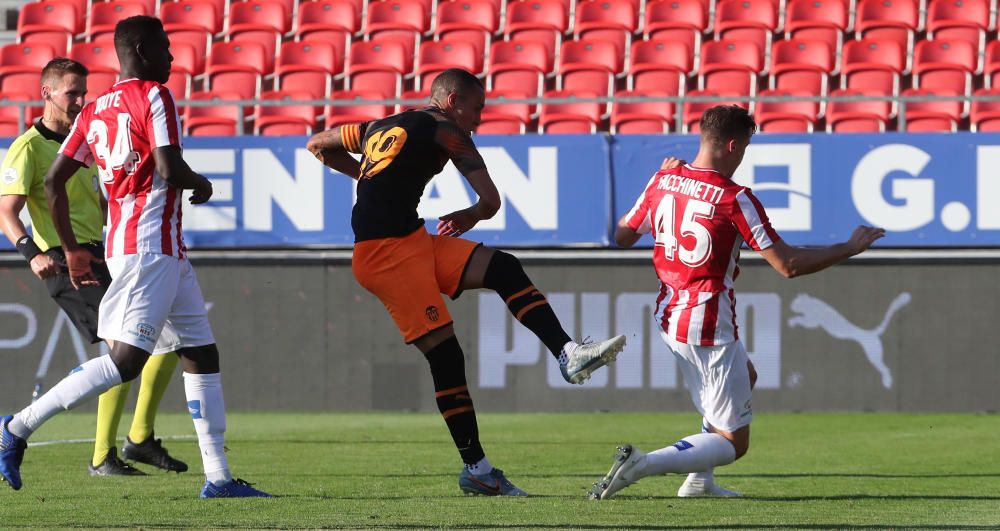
x=119, y=131
x=699, y=220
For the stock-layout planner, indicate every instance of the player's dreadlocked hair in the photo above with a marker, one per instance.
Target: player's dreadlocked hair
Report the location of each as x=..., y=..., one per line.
x=724, y=122
x=134, y=30
x=454, y=80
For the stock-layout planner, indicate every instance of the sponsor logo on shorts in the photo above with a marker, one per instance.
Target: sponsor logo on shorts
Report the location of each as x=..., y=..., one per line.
x=9, y=176
x=145, y=332
x=432, y=313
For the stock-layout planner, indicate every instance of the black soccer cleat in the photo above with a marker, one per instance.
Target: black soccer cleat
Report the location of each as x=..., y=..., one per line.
x=152, y=452
x=112, y=466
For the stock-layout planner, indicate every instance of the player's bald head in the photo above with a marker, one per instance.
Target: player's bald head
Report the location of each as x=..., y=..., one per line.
x=723, y=123
x=454, y=81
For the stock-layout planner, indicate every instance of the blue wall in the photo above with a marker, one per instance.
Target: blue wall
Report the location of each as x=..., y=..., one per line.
x=933, y=190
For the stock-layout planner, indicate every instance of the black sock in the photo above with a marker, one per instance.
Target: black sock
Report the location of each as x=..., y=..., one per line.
x=505, y=275
x=453, y=399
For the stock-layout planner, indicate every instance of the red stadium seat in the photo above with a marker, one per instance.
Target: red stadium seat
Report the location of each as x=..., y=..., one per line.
x=944, y=65
x=985, y=115
x=191, y=15
x=570, y=117
x=894, y=20
x=801, y=66
x=437, y=56
x=105, y=15
x=818, y=20
x=681, y=21
x=286, y=119
x=211, y=120
x=660, y=66
x=863, y=116
x=964, y=20
x=400, y=20
x=236, y=67
x=182, y=70
x=472, y=21
x=730, y=67
x=102, y=62
x=53, y=23
x=786, y=116
x=261, y=21
x=331, y=21
x=543, y=21
x=307, y=66
x=21, y=69
x=505, y=118
x=337, y=115
x=746, y=20
x=610, y=20
x=643, y=117
x=82, y=12
x=928, y=116
x=518, y=67
x=193, y=62
x=9, y=121
x=589, y=66
x=378, y=67
x=150, y=6
x=694, y=109
x=991, y=66
x=421, y=98
x=872, y=65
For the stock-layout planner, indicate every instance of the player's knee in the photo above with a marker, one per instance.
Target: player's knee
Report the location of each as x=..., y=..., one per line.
x=128, y=360
x=505, y=275
x=200, y=360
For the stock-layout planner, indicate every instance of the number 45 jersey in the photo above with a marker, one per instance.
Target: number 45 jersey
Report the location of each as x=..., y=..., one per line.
x=699, y=220
x=119, y=131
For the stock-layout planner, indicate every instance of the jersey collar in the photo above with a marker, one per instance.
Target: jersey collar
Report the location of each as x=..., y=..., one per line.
x=47, y=133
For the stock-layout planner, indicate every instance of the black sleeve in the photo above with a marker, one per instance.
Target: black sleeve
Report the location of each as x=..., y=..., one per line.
x=458, y=145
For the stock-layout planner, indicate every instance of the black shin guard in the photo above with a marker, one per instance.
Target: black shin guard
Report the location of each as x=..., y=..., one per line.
x=453, y=399
x=505, y=276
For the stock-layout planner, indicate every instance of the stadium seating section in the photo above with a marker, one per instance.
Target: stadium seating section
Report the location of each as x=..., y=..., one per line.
x=346, y=51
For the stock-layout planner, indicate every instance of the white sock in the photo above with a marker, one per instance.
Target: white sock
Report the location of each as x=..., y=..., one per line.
x=480, y=467
x=83, y=383
x=694, y=453
x=208, y=411
x=567, y=348
x=707, y=476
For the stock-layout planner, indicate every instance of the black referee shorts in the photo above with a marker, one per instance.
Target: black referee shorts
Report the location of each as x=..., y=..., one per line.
x=80, y=305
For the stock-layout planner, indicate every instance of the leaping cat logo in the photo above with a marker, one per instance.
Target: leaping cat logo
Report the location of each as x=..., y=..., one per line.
x=814, y=313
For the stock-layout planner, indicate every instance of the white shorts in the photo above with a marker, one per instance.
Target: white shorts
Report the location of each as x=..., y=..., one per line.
x=719, y=381
x=154, y=303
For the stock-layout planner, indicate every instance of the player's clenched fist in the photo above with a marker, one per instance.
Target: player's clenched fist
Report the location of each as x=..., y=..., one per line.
x=202, y=193
x=863, y=238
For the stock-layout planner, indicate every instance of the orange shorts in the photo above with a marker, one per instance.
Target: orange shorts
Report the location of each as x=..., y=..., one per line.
x=409, y=274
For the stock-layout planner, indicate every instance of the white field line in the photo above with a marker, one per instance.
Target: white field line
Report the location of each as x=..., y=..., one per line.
x=82, y=441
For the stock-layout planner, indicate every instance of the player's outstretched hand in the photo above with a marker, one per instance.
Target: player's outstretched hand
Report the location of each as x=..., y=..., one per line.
x=670, y=163
x=864, y=237
x=457, y=223
x=202, y=193
x=78, y=261
x=43, y=266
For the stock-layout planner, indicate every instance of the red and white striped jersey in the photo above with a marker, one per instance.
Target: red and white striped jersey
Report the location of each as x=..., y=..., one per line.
x=699, y=219
x=119, y=131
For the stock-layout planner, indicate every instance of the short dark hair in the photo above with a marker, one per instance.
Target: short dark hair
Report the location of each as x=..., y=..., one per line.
x=60, y=66
x=724, y=122
x=132, y=31
x=454, y=80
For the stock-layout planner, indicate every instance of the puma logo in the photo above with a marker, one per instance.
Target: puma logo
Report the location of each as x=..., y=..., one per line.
x=814, y=313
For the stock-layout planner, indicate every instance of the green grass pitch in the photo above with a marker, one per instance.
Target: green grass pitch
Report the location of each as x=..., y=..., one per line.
x=399, y=471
